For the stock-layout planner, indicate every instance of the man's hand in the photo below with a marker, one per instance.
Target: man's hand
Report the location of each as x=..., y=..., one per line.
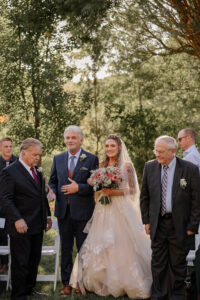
x=147, y=228
x=49, y=224
x=51, y=196
x=70, y=188
x=21, y=226
x=190, y=232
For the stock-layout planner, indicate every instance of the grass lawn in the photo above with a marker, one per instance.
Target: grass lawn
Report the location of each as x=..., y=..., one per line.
x=47, y=267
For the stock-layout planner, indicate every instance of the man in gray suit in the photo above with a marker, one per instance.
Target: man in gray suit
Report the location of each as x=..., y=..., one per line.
x=170, y=207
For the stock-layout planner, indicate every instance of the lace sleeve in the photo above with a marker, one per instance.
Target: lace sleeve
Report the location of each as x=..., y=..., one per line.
x=129, y=183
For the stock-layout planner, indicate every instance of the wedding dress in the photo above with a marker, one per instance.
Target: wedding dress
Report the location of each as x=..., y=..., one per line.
x=116, y=255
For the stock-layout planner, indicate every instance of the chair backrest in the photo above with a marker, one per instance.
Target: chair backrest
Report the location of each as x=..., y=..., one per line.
x=197, y=239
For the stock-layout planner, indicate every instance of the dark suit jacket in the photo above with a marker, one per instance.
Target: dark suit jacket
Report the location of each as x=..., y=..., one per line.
x=22, y=197
x=185, y=202
x=3, y=162
x=81, y=203
x=2, y=166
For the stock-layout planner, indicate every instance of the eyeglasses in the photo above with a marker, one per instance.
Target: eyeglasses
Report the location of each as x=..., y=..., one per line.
x=159, y=152
x=180, y=139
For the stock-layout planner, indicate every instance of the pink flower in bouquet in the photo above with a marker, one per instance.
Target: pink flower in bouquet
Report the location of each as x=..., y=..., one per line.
x=109, y=177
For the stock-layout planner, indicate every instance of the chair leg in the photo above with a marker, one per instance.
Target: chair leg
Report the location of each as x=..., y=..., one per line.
x=56, y=270
x=8, y=285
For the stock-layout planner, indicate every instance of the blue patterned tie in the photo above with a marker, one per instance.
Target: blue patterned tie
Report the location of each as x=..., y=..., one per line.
x=72, y=164
x=164, y=191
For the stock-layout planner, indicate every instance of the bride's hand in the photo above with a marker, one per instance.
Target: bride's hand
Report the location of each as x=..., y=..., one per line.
x=106, y=192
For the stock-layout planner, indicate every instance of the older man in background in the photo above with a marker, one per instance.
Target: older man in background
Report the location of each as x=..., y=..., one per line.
x=6, y=158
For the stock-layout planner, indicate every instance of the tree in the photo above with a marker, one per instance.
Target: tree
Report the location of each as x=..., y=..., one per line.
x=34, y=72
x=160, y=27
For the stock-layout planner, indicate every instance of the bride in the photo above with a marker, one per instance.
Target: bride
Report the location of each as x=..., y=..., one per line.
x=115, y=257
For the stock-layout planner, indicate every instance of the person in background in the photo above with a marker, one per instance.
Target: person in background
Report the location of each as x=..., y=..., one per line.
x=186, y=140
x=6, y=158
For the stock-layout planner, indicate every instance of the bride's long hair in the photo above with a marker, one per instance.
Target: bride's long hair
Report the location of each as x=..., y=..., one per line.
x=105, y=160
x=125, y=164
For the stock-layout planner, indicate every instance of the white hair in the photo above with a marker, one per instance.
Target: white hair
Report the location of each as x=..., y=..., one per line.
x=170, y=141
x=74, y=128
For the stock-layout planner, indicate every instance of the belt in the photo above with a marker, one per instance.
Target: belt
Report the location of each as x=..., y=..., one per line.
x=167, y=216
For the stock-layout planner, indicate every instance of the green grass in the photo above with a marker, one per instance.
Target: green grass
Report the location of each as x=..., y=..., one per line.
x=48, y=289
x=47, y=267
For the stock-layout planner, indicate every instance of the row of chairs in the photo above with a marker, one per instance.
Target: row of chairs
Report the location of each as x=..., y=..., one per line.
x=46, y=250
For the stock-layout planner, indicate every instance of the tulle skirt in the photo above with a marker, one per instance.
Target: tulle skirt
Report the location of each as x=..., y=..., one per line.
x=116, y=255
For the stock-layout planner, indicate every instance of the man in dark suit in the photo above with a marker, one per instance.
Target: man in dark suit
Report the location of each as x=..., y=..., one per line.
x=170, y=207
x=74, y=197
x=24, y=202
x=6, y=158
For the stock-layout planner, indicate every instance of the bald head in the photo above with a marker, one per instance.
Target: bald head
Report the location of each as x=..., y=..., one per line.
x=186, y=138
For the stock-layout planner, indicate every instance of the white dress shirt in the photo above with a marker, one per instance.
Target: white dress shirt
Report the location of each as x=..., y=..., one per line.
x=192, y=155
x=28, y=168
x=75, y=159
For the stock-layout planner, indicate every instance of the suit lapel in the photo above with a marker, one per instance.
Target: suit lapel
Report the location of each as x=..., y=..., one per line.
x=177, y=176
x=65, y=166
x=78, y=165
x=28, y=176
x=40, y=178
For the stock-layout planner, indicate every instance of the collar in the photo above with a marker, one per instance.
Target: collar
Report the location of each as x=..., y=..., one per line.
x=190, y=149
x=172, y=163
x=10, y=160
x=24, y=164
x=76, y=155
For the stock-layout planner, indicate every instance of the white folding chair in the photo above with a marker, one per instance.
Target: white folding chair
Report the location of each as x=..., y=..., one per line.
x=52, y=250
x=5, y=250
x=191, y=255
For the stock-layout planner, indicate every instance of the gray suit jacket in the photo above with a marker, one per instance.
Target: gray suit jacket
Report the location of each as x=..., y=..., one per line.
x=185, y=202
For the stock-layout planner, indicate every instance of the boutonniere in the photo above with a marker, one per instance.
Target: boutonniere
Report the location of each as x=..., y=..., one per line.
x=82, y=157
x=183, y=183
x=40, y=169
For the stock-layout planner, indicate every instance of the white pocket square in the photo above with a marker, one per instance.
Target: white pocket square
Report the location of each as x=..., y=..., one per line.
x=84, y=169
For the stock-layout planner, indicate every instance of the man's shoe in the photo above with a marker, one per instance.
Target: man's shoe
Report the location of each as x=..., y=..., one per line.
x=78, y=291
x=66, y=290
x=36, y=294
x=3, y=269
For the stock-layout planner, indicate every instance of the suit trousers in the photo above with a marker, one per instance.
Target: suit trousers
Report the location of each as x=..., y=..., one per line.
x=69, y=229
x=168, y=263
x=3, y=242
x=25, y=258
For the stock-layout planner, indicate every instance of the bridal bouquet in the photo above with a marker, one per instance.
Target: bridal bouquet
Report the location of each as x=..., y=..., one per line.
x=109, y=177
